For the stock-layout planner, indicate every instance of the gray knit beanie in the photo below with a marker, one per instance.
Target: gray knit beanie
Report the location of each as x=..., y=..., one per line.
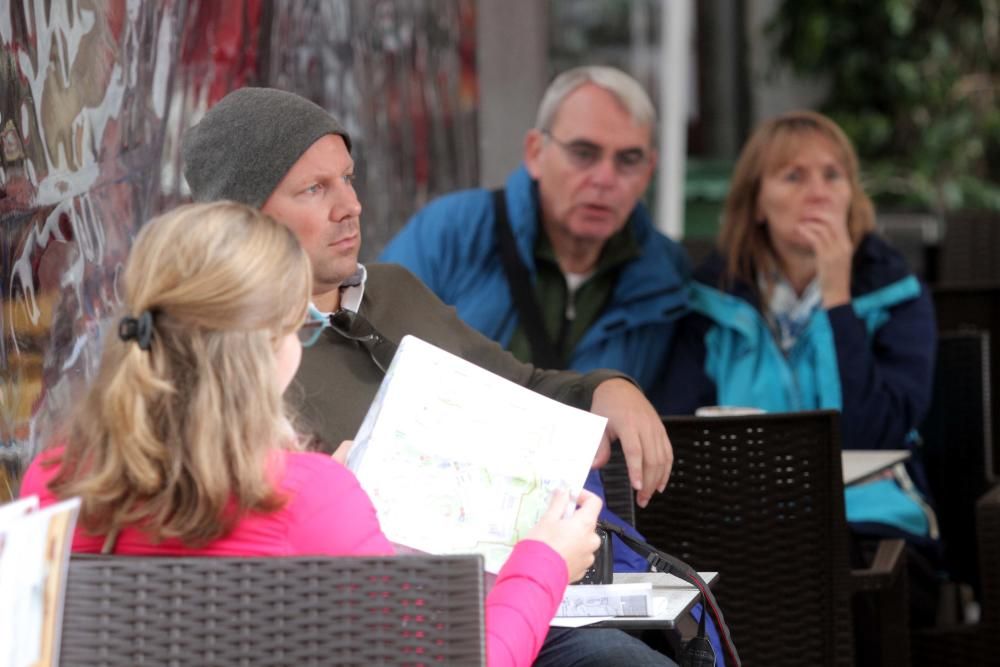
x=247, y=142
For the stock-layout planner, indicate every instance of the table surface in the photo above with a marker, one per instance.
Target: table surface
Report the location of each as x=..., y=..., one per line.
x=860, y=464
x=672, y=597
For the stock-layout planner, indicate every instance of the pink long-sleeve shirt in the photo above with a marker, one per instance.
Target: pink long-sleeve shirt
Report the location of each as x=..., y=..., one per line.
x=329, y=514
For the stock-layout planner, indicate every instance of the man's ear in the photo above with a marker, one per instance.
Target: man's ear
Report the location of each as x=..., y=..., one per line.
x=534, y=141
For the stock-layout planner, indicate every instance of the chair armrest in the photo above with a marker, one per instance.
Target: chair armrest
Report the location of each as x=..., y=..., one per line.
x=988, y=535
x=884, y=583
x=988, y=508
x=887, y=565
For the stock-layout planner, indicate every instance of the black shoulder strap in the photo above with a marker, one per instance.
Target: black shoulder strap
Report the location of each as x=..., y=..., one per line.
x=543, y=352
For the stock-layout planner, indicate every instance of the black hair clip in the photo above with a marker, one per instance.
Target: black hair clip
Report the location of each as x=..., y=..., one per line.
x=139, y=329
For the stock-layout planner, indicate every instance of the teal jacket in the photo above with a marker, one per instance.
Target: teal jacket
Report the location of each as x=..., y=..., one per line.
x=872, y=359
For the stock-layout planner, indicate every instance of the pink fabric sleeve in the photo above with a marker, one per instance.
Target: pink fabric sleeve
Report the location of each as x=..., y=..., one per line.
x=330, y=513
x=523, y=601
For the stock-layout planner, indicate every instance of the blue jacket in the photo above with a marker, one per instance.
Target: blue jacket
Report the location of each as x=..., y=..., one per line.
x=451, y=245
x=872, y=359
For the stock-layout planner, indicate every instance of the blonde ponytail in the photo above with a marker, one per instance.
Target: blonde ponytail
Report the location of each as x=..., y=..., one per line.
x=176, y=437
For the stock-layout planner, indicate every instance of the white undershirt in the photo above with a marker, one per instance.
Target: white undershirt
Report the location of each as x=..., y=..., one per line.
x=573, y=283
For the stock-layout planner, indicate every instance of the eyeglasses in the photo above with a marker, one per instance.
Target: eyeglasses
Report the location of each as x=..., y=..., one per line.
x=584, y=154
x=352, y=326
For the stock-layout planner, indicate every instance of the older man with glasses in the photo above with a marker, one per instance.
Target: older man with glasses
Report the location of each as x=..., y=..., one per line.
x=563, y=266
x=282, y=153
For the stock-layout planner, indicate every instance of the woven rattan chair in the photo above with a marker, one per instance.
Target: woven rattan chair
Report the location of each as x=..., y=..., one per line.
x=398, y=610
x=970, y=248
x=974, y=308
x=957, y=435
x=760, y=499
x=977, y=643
x=618, y=494
x=958, y=450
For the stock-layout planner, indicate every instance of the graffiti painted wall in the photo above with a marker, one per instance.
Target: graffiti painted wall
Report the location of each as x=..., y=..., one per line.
x=400, y=74
x=94, y=96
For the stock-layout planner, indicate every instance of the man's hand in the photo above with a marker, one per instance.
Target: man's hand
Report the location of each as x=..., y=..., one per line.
x=634, y=422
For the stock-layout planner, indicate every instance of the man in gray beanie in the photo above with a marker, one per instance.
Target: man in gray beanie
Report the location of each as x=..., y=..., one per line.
x=284, y=154
x=227, y=156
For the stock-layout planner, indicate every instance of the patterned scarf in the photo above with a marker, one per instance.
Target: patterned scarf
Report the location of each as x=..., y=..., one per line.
x=788, y=314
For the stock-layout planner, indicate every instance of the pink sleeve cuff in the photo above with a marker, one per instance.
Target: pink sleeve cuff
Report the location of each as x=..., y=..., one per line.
x=523, y=601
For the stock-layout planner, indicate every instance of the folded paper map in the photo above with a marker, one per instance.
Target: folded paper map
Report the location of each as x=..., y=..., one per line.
x=459, y=460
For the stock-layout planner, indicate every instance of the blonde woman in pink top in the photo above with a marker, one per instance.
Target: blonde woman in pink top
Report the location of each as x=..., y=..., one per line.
x=182, y=445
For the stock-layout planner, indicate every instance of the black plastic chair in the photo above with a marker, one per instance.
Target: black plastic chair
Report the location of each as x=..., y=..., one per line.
x=618, y=494
x=958, y=450
x=957, y=436
x=974, y=643
x=970, y=248
x=974, y=308
x=760, y=499
x=395, y=610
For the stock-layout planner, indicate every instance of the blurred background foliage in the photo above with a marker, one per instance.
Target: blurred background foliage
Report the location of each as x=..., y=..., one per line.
x=915, y=84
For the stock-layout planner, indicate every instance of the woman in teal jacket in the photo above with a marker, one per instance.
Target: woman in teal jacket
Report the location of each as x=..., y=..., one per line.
x=804, y=307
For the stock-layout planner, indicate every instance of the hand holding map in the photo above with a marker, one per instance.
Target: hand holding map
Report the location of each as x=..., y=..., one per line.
x=458, y=460
x=572, y=535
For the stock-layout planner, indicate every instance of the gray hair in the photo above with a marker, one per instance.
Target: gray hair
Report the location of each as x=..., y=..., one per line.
x=625, y=89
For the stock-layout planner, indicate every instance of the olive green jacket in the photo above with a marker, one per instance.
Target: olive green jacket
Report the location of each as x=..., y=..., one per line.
x=337, y=380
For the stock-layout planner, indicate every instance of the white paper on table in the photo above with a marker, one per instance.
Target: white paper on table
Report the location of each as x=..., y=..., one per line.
x=668, y=604
x=607, y=600
x=459, y=460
